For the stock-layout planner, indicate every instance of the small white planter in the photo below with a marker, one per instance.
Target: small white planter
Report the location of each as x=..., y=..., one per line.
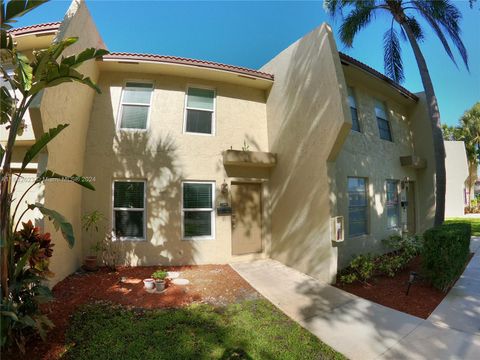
x=149, y=284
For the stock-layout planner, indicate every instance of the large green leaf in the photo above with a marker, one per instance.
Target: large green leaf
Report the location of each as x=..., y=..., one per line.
x=2, y=152
x=80, y=180
x=85, y=55
x=17, y=8
x=23, y=72
x=9, y=314
x=41, y=143
x=23, y=260
x=6, y=105
x=58, y=221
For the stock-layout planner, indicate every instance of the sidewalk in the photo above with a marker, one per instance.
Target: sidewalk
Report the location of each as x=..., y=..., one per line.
x=361, y=329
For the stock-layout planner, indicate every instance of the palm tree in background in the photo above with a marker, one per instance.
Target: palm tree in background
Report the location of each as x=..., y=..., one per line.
x=444, y=19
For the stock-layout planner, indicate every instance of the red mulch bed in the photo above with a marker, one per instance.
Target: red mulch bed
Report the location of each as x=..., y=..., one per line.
x=422, y=299
x=214, y=284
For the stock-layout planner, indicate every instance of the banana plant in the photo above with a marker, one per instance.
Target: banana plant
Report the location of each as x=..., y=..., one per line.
x=46, y=68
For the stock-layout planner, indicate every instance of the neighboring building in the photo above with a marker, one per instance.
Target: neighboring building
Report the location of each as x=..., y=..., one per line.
x=326, y=135
x=456, y=167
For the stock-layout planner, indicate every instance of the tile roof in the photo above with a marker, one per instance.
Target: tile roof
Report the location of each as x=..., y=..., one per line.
x=381, y=76
x=51, y=26
x=119, y=56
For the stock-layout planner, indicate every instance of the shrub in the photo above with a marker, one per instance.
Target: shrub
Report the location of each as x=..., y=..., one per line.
x=361, y=268
x=390, y=265
x=348, y=278
x=445, y=252
x=20, y=310
x=402, y=251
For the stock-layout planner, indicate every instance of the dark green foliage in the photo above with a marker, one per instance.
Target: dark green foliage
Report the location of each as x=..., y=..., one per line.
x=361, y=268
x=159, y=275
x=246, y=330
x=20, y=312
x=401, y=252
x=445, y=253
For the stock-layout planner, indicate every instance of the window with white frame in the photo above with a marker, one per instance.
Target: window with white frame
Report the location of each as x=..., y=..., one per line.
x=129, y=209
x=353, y=109
x=357, y=206
x=200, y=111
x=135, y=105
x=198, y=199
x=382, y=121
x=392, y=204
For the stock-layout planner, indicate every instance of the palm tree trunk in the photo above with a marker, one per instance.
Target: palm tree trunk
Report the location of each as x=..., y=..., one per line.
x=433, y=112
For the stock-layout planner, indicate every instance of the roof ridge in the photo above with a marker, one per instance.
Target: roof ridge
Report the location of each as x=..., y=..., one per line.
x=186, y=60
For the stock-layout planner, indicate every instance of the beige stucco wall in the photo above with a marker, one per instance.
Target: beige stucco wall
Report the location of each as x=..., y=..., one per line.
x=68, y=103
x=164, y=156
x=365, y=155
x=307, y=122
x=457, y=173
x=423, y=147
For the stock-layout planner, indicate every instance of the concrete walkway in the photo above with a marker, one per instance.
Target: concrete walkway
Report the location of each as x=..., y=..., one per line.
x=361, y=329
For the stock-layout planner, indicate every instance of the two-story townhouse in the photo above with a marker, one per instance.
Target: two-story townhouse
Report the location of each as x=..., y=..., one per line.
x=197, y=162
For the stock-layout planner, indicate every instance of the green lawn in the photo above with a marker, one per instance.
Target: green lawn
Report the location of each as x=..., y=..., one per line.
x=247, y=330
x=474, y=222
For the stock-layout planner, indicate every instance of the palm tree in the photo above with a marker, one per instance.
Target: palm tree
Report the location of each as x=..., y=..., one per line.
x=470, y=125
x=444, y=18
x=463, y=133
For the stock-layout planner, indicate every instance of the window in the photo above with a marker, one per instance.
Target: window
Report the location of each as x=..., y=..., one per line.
x=353, y=109
x=200, y=111
x=357, y=206
x=129, y=209
x=135, y=105
x=382, y=121
x=393, y=210
x=198, y=211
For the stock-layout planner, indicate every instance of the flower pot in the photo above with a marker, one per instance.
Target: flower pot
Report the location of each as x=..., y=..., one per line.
x=149, y=284
x=160, y=285
x=90, y=263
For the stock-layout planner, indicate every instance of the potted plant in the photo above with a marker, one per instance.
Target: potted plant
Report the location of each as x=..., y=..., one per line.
x=90, y=223
x=149, y=284
x=159, y=277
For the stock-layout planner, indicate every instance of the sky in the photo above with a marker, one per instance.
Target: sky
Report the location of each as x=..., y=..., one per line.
x=250, y=33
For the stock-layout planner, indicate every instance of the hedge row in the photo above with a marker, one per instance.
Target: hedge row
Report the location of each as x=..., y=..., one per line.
x=445, y=252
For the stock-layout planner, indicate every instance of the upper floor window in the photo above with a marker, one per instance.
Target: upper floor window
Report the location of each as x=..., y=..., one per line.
x=200, y=111
x=357, y=206
x=129, y=209
x=392, y=205
x=382, y=121
x=135, y=105
x=353, y=109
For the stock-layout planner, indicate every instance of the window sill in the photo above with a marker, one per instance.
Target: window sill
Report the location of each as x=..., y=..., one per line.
x=197, y=238
x=358, y=237
x=131, y=130
x=195, y=133
x=129, y=239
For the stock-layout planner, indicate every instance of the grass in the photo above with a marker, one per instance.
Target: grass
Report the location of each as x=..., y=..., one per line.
x=247, y=330
x=474, y=222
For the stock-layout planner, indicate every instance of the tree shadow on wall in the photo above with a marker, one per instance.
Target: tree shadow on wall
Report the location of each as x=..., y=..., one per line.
x=140, y=156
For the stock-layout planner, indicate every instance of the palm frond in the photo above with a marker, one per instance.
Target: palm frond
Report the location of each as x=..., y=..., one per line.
x=443, y=16
x=334, y=7
x=392, y=55
x=357, y=19
x=415, y=27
